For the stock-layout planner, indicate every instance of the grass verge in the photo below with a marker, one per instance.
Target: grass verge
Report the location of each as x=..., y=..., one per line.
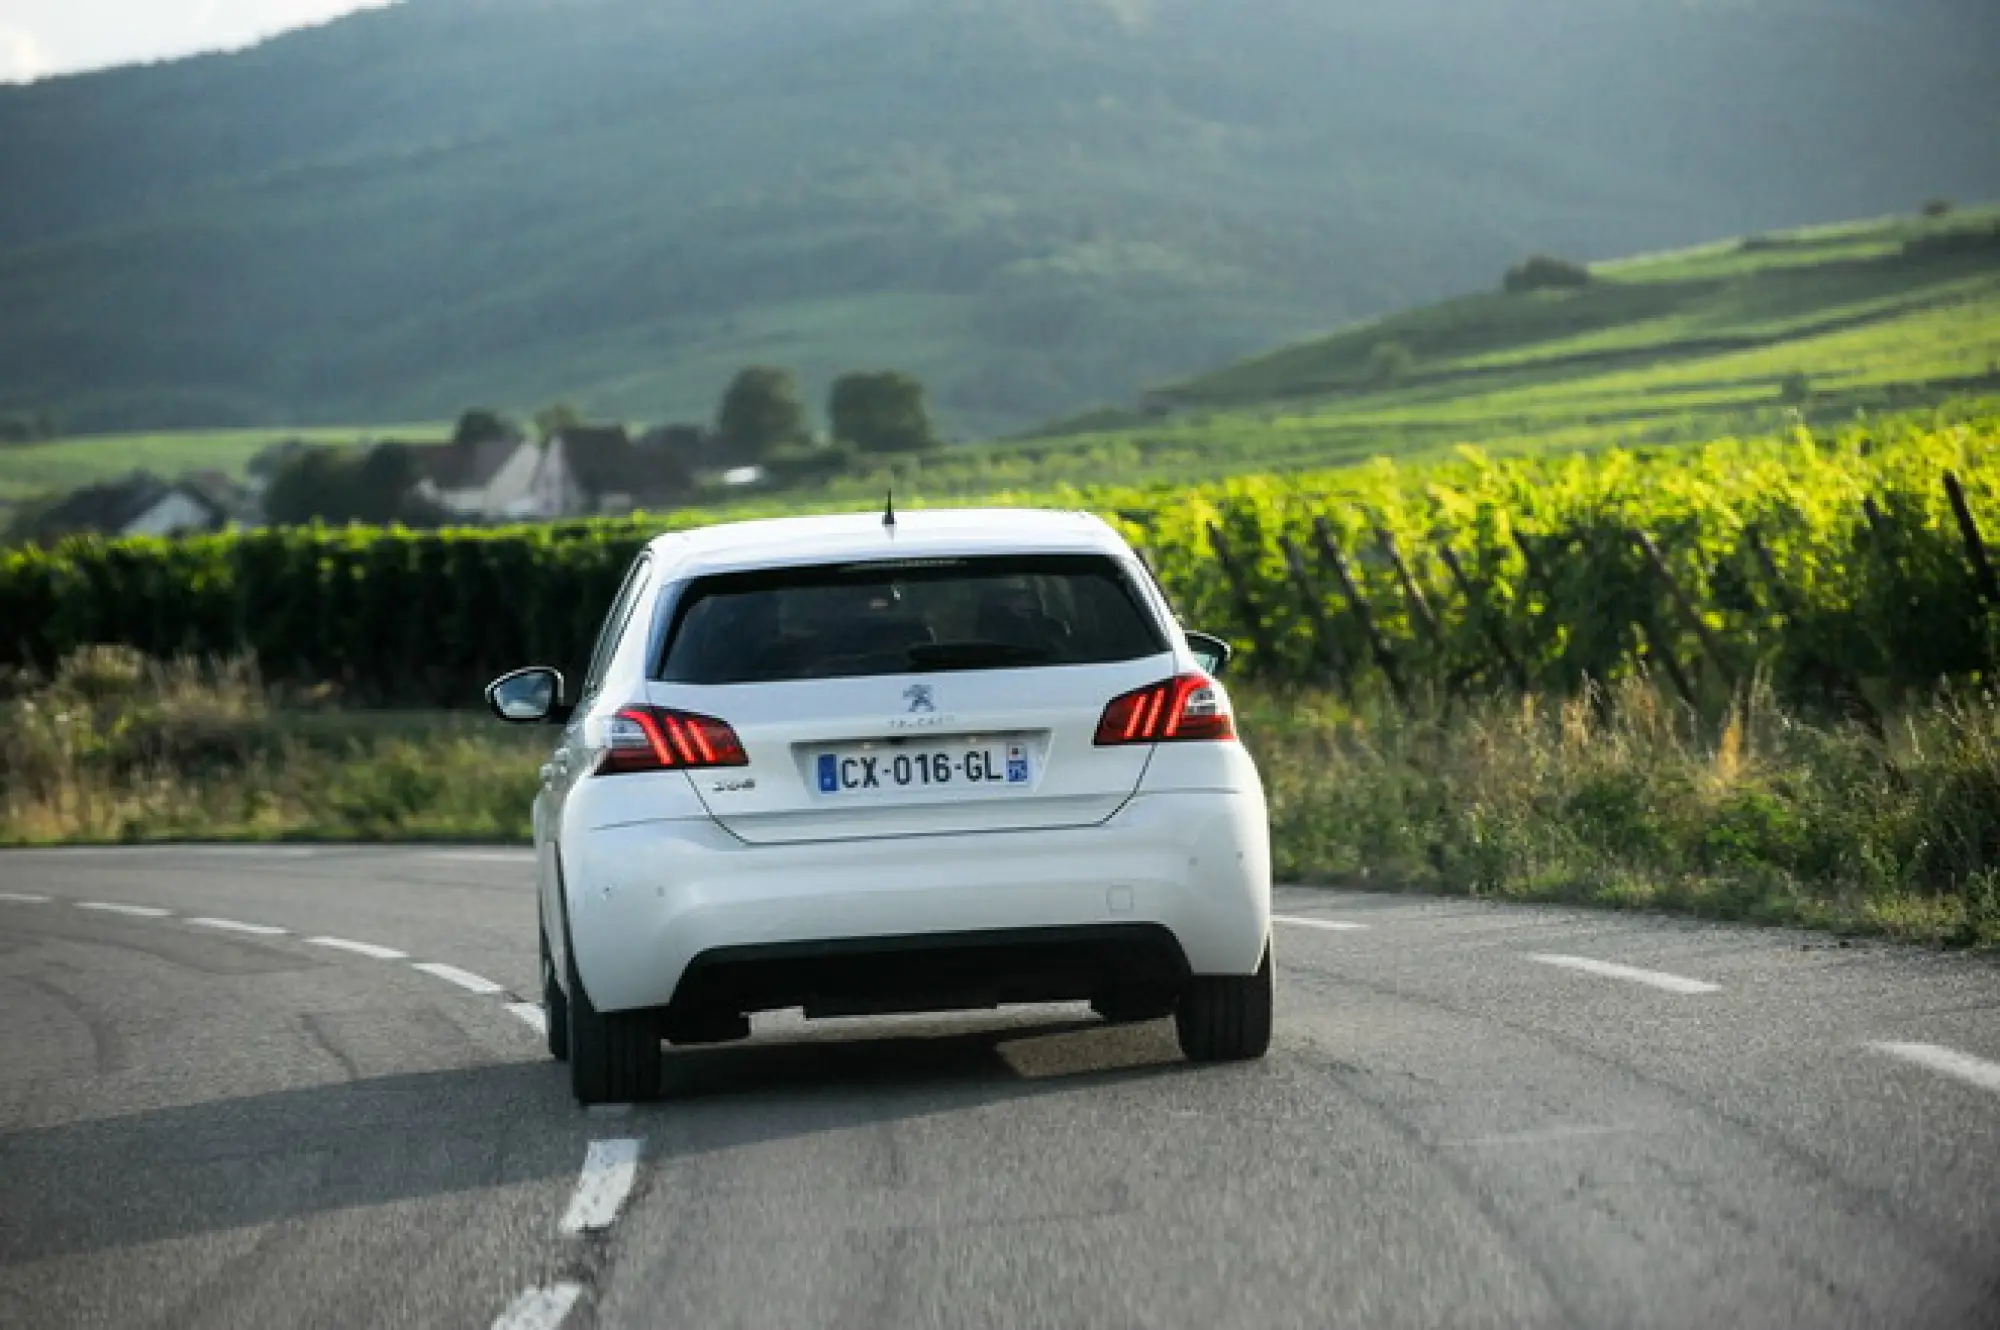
x=1627, y=800
x=1621, y=799
x=118, y=749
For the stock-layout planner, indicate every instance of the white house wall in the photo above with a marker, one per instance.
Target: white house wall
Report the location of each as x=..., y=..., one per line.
x=555, y=493
x=173, y=514
x=513, y=485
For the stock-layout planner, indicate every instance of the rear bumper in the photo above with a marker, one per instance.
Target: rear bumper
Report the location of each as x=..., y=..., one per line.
x=648, y=899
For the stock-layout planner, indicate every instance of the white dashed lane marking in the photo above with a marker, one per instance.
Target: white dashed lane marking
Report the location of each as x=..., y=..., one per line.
x=540, y=1308
x=1951, y=1062
x=1327, y=925
x=465, y=979
x=22, y=898
x=360, y=948
x=531, y=1014
x=114, y=907
x=1672, y=983
x=609, y=1170
x=237, y=926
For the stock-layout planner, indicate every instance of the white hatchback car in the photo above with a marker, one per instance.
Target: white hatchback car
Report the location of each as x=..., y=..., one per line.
x=869, y=764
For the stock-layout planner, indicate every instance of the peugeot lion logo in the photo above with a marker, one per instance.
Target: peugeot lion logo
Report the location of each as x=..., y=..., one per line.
x=918, y=695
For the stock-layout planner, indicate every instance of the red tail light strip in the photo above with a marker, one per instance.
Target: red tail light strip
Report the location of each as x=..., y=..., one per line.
x=1186, y=709
x=660, y=739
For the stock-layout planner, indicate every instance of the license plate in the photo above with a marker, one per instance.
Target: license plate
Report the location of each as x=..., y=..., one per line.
x=995, y=766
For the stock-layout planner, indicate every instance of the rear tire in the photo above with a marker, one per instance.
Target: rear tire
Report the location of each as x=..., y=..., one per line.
x=555, y=1005
x=614, y=1056
x=1226, y=1018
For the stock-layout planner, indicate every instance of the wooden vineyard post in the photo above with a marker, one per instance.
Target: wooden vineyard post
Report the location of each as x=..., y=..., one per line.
x=1769, y=567
x=1246, y=604
x=1975, y=548
x=1420, y=608
x=1877, y=524
x=1687, y=607
x=1476, y=605
x=1838, y=682
x=1315, y=608
x=1331, y=556
x=1657, y=647
x=1538, y=577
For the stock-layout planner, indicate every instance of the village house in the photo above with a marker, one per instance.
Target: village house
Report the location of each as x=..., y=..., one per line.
x=488, y=480
x=139, y=504
x=597, y=470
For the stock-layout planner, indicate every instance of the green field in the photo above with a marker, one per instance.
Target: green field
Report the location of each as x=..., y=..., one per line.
x=59, y=465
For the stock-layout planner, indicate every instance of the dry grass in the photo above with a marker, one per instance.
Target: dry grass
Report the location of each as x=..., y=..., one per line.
x=1623, y=799
x=118, y=748
x=1629, y=800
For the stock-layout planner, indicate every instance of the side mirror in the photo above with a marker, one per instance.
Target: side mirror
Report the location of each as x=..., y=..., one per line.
x=528, y=697
x=1210, y=651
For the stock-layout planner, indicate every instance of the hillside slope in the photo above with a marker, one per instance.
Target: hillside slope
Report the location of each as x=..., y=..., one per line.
x=1744, y=336
x=1032, y=203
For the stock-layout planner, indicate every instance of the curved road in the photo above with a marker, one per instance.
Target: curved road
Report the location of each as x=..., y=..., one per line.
x=1472, y=1115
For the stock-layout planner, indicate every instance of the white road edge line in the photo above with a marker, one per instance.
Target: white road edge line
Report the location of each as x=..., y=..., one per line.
x=532, y=1014
x=1329, y=925
x=609, y=1170
x=485, y=856
x=465, y=979
x=1974, y=1071
x=113, y=907
x=540, y=1308
x=237, y=926
x=1672, y=983
x=361, y=948
x=23, y=898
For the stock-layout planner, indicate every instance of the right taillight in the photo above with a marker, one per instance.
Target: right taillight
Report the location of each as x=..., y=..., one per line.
x=1185, y=709
x=659, y=739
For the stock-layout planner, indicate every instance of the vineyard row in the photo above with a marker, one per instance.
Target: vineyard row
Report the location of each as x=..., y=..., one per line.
x=1833, y=566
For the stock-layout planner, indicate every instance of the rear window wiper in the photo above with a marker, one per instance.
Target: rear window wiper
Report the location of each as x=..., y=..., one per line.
x=974, y=655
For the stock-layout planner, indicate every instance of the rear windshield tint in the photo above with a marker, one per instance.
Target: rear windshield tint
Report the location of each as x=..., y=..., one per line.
x=912, y=617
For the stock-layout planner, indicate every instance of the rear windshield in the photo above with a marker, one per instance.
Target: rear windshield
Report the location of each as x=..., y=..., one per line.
x=909, y=617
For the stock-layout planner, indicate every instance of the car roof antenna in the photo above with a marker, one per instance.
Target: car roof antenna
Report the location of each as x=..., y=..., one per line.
x=889, y=511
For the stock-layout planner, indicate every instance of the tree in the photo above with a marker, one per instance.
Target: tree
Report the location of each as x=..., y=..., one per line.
x=880, y=413
x=29, y=426
x=340, y=485
x=554, y=418
x=480, y=424
x=1937, y=208
x=1389, y=363
x=1542, y=272
x=761, y=413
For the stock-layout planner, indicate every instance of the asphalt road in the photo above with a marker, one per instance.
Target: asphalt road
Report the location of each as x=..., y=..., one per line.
x=1465, y=1120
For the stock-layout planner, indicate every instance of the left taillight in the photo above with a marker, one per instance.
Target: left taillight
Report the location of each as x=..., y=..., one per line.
x=1186, y=709
x=661, y=739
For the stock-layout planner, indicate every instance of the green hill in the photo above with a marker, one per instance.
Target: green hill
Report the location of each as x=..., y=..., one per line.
x=1738, y=336
x=1862, y=306
x=1033, y=204
x=1741, y=336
